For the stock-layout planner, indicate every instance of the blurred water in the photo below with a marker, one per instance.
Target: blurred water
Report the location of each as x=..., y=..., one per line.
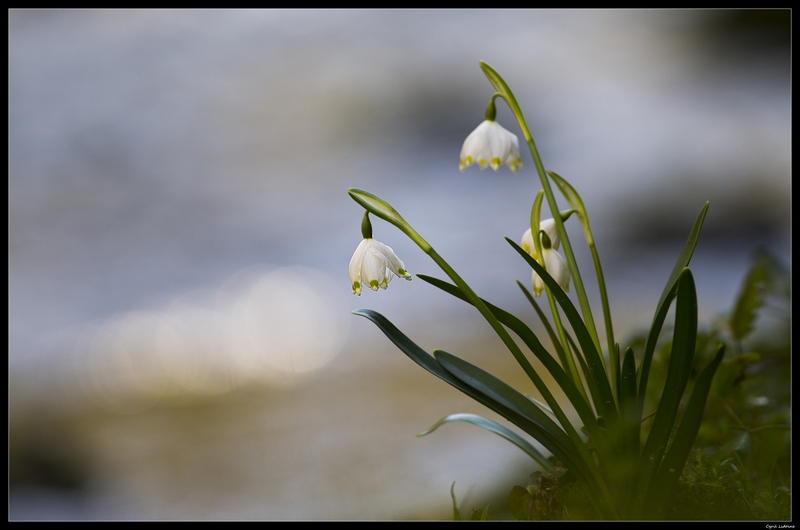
x=164, y=165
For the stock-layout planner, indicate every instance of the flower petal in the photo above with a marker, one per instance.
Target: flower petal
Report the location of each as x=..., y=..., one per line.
x=374, y=264
x=374, y=268
x=490, y=144
x=556, y=266
x=354, y=268
x=394, y=263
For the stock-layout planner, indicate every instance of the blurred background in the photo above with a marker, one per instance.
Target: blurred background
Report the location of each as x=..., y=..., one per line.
x=180, y=338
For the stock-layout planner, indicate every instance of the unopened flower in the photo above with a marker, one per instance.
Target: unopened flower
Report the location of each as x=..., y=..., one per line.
x=554, y=263
x=374, y=264
x=491, y=144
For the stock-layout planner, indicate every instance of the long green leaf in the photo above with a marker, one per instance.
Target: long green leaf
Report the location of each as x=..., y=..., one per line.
x=488, y=385
x=626, y=438
x=567, y=361
x=429, y=363
x=627, y=407
x=574, y=200
x=670, y=469
x=407, y=346
x=532, y=342
x=539, y=425
x=680, y=367
x=547, y=432
x=562, y=379
x=605, y=404
x=543, y=318
x=557, y=345
x=667, y=295
x=585, y=371
x=496, y=428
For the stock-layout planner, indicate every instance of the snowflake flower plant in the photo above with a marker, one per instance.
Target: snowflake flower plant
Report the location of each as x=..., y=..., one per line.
x=626, y=470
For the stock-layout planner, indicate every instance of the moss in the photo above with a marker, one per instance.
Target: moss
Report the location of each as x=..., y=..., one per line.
x=712, y=490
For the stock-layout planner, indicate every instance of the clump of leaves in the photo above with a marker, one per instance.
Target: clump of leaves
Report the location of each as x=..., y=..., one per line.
x=745, y=436
x=743, y=469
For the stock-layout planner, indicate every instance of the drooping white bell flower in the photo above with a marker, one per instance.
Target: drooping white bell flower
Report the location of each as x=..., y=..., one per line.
x=374, y=264
x=490, y=144
x=554, y=263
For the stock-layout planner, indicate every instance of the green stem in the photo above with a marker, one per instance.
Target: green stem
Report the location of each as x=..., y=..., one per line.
x=512, y=346
x=613, y=352
x=382, y=209
x=505, y=92
x=577, y=205
x=567, y=361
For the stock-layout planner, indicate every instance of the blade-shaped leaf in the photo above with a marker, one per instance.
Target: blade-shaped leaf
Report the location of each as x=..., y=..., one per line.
x=487, y=384
x=574, y=200
x=663, y=305
x=585, y=371
x=504, y=403
x=537, y=423
x=680, y=368
x=532, y=342
x=543, y=318
x=429, y=363
x=496, y=428
x=557, y=344
x=605, y=403
x=670, y=469
x=407, y=346
x=539, y=404
x=627, y=406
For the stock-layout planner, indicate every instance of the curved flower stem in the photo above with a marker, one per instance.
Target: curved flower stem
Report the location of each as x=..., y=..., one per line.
x=501, y=87
x=382, y=209
x=576, y=203
x=567, y=360
x=613, y=352
x=512, y=346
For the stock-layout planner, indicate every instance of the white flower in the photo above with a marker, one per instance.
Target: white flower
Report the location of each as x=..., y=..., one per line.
x=556, y=266
x=490, y=144
x=554, y=263
x=374, y=264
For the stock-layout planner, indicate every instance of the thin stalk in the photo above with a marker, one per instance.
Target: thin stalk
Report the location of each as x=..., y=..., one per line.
x=553, y=338
x=512, y=346
x=577, y=205
x=613, y=352
x=505, y=92
x=567, y=362
x=382, y=209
